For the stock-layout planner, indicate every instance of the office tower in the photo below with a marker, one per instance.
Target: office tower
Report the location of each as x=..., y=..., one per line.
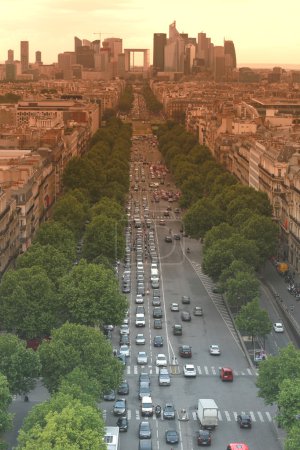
x=38, y=57
x=189, y=57
x=24, y=56
x=77, y=43
x=115, y=46
x=85, y=56
x=65, y=62
x=95, y=45
x=219, y=63
x=174, y=51
x=230, y=56
x=203, y=50
x=159, y=42
x=10, y=56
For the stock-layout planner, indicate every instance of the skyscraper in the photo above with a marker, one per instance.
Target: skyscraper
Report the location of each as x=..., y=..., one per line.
x=38, y=57
x=159, y=42
x=174, y=51
x=219, y=63
x=10, y=56
x=230, y=57
x=24, y=56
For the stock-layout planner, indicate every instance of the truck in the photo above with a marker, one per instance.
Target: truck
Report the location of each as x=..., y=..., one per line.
x=207, y=413
x=111, y=438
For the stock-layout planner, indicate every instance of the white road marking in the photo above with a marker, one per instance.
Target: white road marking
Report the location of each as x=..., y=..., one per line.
x=206, y=370
x=227, y=416
x=260, y=416
x=252, y=416
x=269, y=417
x=199, y=370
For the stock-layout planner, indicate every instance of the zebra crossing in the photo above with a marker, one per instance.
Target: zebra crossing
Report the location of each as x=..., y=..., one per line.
x=223, y=416
x=217, y=300
x=201, y=370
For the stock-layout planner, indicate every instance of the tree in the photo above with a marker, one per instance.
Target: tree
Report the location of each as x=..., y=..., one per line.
x=241, y=289
x=201, y=217
x=77, y=346
x=272, y=372
x=63, y=423
x=90, y=295
x=221, y=231
x=103, y=236
x=253, y=320
x=28, y=303
x=19, y=364
x=47, y=257
x=264, y=232
x=293, y=438
x=231, y=271
x=81, y=386
x=57, y=235
x=288, y=402
x=71, y=213
x=5, y=400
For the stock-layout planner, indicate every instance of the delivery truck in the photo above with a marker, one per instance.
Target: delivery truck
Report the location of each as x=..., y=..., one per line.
x=207, y=413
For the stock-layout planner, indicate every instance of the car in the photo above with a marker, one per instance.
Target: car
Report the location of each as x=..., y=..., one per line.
x=123, y=389
x=156, y=301
x=139, y=299
x=124, y=329
x=126, y=288
x=144, y=377
x=172, y=437
x=162, y=222
x=161, y=360
x=185, y=299
x=142, y=358
x=145, y=444
x=278, y=327
x=126, y=321
x=176, y=237
x=155, y=283
x=177, y=329
x=158, y=341
x=168, y=239
x=217, y=290
x=244, y=420
x=169, y=411
x=124, y=350
x=145, y=430
x=237, y=446
x=203, y=437
x=164, y=378
x=140, y=309
x=189, y=370
x=122, y=423
x=157, y=312
x=226, y=374
x=214, y=349
x=157, y=324
x=156, y=293
x=140, y=339
x=144, y=390
x=121, y=358
x=174, y=307
x=124, y=339
x=197, y=311
x=186, y=316
x=109, y=396
x=120, y=407
x=185, y=351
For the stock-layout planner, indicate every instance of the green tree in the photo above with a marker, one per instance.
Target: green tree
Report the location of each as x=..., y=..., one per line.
x=77, y=346
x=75, y=426
x=90, y=295
x=81, y=386
x=253, y=320
x=221, y=231
x=60, y=237
x=201, y=217
x=28, y=303
x=293, y=438
x=241, y=289
x=231, y=271
x=264, y=232
x=20, y=365
x=288, y=402
x=47, y=257
x=5, y=400
x=272, y=372
x=103, y=236
x=71, y=213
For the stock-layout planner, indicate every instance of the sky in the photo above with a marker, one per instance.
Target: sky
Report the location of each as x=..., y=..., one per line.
x=263, y=31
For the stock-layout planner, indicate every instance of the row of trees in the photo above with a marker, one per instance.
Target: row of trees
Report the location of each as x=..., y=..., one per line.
x=153, y=105
x=64, y=286
x=126, y=99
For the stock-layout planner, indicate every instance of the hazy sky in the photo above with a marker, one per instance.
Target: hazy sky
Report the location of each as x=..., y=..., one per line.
x=264, y=31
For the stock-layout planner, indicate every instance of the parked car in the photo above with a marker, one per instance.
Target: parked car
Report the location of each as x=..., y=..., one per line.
x=122, y=423
x=110, y=396
x=123, y=389
x=120, y=407
x=124, y=350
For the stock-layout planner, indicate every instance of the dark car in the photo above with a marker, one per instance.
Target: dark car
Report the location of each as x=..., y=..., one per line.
x=144, y=389
x=157, y=324
x=158, y=341
x=109, y=396
x=203, y=437
x=186, y=316
x=145, y=430
x=185, y=351
x=124, y=339
x=172, y=437
x=145, y=444
x=144, y=377
x=157, y=312
x=169, y=411
x=186, y=300
x=168, y=239
x=120, y=407
x=156, y=301
x=176, y=237
x=177, y=329
x=156, y=293
x=123, y=389
x=122, y=423
x=244, y=420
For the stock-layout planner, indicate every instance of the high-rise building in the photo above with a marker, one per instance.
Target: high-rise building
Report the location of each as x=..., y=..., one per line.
x=38, y=57
x=65, y=62
x=115, y=46
x=77, y=43
x=24, y=56
x=174, y=51
x=203, y=50
x=219, y=63
x=230, y=56
x=159, y=42
x=10, y=56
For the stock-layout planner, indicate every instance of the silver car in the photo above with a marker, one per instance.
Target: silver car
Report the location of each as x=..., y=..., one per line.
x=142, y=358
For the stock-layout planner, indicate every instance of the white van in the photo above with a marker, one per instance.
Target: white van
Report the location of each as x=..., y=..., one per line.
x=147, y=406
x=140, y=320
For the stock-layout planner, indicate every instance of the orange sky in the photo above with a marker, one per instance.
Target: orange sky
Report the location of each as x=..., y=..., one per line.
x=263, y=31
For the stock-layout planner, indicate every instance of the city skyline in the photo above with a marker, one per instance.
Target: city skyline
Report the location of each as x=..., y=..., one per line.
x=262, y=33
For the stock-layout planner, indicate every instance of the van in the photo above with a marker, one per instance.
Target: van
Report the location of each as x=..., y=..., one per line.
x=226, y=374
x=147, y=406
x=140, y=320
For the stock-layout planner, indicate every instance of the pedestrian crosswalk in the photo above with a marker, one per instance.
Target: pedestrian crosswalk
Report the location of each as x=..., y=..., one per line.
x=223, y=415
x=201, y=370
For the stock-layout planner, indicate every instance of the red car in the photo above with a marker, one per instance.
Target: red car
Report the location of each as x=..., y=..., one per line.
x=226, y=374
x=185, y=351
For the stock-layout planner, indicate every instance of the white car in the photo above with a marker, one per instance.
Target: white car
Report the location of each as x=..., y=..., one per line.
x=142, y=358
x=124, y=329
x=189, y=370
x=214, y=349
x=124, y=350
x=139, y=299
x=174, y=307
x=278, y=327
x=161, y=360
x=140, y=339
